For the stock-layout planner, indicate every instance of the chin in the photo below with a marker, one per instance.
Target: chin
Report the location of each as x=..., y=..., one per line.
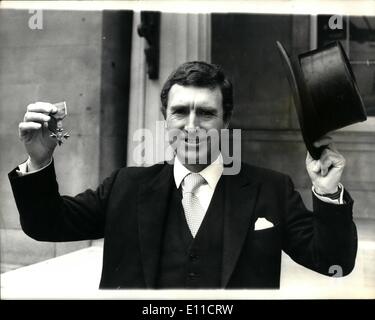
x=193, y=157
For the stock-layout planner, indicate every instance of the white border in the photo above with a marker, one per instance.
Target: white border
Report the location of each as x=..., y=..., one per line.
x=273, y=7
x=251, y=6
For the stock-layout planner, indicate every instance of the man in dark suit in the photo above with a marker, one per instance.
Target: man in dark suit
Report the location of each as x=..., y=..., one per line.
x=186, y=224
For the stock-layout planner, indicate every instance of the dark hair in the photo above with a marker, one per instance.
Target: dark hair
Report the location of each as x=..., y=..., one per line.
x=200, y=74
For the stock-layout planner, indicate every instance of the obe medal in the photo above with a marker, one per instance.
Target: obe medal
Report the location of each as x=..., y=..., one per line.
x=55, y=124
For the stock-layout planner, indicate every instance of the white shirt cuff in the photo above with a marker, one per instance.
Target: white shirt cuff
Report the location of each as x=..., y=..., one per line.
x=340, y=200
x=23, y=168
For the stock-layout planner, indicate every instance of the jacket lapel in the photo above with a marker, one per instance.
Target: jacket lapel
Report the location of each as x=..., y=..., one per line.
x=240, y=199
x=152, y=206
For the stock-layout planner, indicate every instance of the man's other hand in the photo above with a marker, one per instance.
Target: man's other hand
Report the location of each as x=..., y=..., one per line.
x=325, y=173
x=34, y=133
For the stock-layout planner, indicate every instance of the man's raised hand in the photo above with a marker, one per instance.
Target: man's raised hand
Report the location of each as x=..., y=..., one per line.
x=34, y=133
x=325, y=173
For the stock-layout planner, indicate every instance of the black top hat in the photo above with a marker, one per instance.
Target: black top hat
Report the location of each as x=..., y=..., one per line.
x=325, y=93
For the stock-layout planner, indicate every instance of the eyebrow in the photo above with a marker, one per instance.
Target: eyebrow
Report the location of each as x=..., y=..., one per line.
x=204, y=108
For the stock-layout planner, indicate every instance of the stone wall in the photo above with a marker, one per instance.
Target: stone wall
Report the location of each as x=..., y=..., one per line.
x=61, y=62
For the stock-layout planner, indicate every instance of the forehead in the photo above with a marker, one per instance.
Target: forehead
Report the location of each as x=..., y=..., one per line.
x=186, y=95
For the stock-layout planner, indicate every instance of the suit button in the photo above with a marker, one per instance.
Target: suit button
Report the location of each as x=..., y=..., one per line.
x=193, y=256
x=192, y=275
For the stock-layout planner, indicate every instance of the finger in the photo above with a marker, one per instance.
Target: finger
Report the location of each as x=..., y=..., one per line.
x=336, y=158
x=26, y=127
x=43, y=107
x=335, y=172
x=323, y=141
x=36, y=117
x=325, y=166
x=332, y=162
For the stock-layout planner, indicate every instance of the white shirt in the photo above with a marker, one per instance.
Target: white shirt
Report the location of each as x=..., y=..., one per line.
x=24, y=168
x=211, y=174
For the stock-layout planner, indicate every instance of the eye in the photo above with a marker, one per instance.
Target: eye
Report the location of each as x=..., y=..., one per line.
x=180, y=112
x=206, y=113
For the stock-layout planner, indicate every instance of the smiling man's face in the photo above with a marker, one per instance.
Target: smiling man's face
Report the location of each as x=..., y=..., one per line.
x=192, y=112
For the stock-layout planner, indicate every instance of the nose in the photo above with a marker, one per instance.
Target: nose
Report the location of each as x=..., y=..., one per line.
x=192, y=121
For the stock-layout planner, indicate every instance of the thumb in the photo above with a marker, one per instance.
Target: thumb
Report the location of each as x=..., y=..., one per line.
x=312, y=164
x=317, y=166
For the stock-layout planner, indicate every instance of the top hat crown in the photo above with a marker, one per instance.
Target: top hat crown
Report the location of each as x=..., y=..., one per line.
x=325, y=92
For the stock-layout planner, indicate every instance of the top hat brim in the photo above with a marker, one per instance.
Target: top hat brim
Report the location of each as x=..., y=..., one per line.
x=307, y=116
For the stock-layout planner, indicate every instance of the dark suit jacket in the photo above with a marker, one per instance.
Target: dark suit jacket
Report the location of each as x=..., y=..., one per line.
x=128, y=210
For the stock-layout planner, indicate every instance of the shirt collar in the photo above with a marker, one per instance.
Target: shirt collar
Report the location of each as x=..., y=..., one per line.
x=211, y=173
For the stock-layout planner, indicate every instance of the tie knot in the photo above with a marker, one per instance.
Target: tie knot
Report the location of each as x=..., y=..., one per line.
x=192, y=182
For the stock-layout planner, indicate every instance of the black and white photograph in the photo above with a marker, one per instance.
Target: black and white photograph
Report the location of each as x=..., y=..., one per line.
x=187, y=150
